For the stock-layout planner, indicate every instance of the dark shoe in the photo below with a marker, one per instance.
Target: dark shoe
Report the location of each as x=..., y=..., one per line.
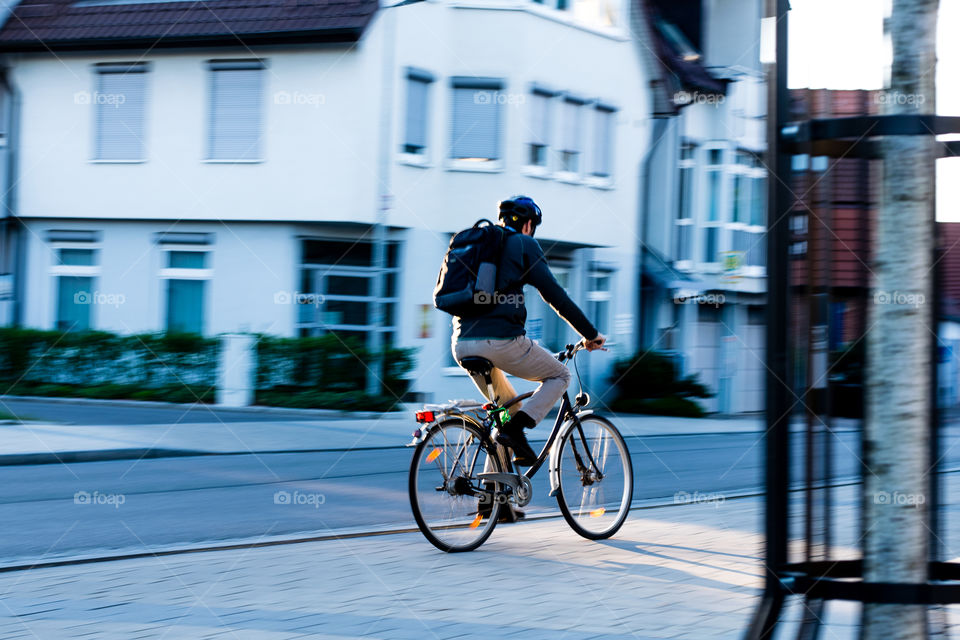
x=507, y=513
x=511, y=435
x=511, y=514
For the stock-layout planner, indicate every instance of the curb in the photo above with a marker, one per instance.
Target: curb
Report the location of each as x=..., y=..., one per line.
x=93, y=455
x=155, y=404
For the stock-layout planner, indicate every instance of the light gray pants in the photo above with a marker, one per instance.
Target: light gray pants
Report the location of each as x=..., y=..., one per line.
x=520, y=357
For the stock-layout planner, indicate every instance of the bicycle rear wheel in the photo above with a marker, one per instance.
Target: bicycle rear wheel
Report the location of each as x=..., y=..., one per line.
x=448, y=500
x=594, y=505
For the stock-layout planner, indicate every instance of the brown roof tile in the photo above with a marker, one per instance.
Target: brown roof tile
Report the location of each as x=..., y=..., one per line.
x=71, y=24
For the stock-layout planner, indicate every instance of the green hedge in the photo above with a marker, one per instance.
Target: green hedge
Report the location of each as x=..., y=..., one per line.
x=651, y=383
x=327, y=371
x=322, y=372
x=98, y=364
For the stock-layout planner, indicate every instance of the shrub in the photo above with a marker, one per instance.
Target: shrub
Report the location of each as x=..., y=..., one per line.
x=98, y=364
x=327, y=371
x=651, y=383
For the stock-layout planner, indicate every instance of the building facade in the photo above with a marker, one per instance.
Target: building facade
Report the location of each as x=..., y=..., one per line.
x=173, y=173
x=703, y=272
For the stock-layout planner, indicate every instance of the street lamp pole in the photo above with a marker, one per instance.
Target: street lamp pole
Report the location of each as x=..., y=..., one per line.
x=375, y=340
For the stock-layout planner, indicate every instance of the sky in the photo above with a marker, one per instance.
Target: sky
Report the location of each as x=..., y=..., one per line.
x=838, y=44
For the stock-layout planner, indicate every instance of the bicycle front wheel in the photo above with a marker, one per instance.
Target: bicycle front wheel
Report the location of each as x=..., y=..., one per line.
x=452, y=507
x=596, y=478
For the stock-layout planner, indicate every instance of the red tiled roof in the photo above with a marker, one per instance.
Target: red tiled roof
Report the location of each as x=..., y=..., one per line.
x=68, y=24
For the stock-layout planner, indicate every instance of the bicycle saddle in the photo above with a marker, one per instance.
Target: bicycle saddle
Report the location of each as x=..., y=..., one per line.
x=476, y=365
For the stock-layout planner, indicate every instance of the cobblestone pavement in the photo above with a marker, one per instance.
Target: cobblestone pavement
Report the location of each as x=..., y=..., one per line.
x=690, y=571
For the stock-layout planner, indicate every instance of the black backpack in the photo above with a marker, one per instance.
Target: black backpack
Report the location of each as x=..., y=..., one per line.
x=468, y=277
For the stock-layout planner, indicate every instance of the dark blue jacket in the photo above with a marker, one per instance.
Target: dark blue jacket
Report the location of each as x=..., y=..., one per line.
x=522, y=262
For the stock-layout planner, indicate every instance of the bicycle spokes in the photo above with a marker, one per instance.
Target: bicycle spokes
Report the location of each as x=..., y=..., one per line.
x=454, y=509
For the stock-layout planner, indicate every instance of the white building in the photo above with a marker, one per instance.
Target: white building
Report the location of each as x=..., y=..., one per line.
x=703, y=278
x=173, y=172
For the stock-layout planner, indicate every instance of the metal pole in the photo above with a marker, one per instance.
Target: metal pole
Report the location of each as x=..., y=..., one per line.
x=777, y=445
x=375, y=341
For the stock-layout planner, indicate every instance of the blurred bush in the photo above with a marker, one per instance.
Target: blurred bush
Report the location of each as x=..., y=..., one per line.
x=651, y=383
x=327, y=371
x=98, y=364
x=290, y=372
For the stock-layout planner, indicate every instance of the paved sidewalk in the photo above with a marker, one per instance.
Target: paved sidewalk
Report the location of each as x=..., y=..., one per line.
x=677, y=572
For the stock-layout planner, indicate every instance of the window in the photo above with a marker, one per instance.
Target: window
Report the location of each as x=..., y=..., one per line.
x=599, y=296
x=339, y=289
x=236, y=110
x=186, y=273
x=540, y=122
x=75, y=269
x=684, y=220
x=476, y=122
x=418, y=93
x=712, y=224
x=543, y=323
x=749, y=208
x=185, y=306
x=570, y=135
x=119, y=107
x=603, y=141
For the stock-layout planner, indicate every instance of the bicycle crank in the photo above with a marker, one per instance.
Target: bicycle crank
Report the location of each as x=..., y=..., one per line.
x=521, y=485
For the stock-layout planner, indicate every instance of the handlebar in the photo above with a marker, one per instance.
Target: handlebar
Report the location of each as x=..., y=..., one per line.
x=570, y=351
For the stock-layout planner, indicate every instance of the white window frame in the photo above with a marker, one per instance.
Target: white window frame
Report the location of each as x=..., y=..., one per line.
x=57, y=270
x=750, y=174
x=571, y=106
x=219, y=66
x=166, y=273
x=710, y=169
x=686, y=204
x=423, y=157
x=494, y=86
x=596, y=296
x=323, y=270
x=549, y=96
x=600, y=113
x=122, y=68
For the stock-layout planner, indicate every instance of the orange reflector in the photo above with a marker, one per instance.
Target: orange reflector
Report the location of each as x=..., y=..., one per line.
x=476, y=521
x=433, y=455
x=596, y=513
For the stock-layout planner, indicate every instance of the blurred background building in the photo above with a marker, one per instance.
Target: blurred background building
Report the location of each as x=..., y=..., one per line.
x=834, y=215
x=703, y=273
x=172, y=168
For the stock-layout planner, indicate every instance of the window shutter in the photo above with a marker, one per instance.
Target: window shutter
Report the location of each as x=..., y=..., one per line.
x=416, y=130
x=476, y=121
x=236, y=112
x=571, y=126
x=604, y=141
x=540, y=119
x=119, y=104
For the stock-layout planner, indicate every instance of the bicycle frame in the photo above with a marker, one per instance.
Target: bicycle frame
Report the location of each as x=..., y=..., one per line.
x=567, y=411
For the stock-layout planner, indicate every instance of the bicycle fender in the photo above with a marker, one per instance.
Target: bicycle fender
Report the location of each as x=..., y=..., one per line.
x=554, y=464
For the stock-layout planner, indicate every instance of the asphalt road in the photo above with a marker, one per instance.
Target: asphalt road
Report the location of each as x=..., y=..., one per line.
x=49, y=511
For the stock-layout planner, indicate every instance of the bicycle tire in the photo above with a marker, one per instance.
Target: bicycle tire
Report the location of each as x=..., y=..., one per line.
x=438, y=532
x=592, y=508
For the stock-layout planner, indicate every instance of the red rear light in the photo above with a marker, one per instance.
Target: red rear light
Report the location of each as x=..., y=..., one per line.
x=424, y=416
x=489, y=406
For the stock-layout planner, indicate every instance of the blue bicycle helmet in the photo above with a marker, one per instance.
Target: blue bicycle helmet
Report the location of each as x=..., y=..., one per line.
x=517, y=210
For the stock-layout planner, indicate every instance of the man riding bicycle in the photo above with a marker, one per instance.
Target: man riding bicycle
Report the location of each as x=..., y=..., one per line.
x=500, y=336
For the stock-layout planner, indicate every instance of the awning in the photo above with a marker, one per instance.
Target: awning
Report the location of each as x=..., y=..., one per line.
x=659, y=270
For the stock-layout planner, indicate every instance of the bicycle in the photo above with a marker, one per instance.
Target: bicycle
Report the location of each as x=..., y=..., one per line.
x=460, y=477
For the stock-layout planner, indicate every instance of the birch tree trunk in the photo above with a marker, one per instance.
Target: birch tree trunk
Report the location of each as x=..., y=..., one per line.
x=896, y=438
